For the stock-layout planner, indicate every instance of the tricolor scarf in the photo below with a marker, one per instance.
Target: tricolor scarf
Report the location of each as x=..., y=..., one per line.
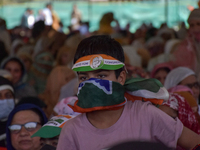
x=96, y=94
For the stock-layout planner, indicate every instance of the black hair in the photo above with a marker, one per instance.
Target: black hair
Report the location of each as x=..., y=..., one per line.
x=100, y=44
x=49, y=4
x=164, y=68
x=38, y=28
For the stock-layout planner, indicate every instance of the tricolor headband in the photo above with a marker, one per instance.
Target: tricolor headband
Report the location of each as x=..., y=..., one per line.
x=97, y=61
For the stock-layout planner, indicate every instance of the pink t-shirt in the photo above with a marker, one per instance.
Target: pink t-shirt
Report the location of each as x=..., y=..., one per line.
x=139, y=121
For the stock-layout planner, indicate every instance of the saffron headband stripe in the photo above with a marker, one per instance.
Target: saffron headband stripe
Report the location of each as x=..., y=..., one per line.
x=88, y=57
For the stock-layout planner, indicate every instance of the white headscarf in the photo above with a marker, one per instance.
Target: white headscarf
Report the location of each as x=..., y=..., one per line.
x=176, y=76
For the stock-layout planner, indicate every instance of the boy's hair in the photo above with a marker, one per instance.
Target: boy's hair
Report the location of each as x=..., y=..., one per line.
x=100, y=44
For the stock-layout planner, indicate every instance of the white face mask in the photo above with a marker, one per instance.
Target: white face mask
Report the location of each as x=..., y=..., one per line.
x=6, y=106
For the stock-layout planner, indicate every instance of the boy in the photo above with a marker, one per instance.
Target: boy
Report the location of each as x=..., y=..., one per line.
x=110, y=118
x=50, y=131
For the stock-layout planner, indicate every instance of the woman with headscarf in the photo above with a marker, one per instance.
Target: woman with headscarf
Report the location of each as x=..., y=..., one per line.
x=23, y=122
x=183, y=76
x=58, y=77
x=160, y=71
x=7, y=104
x=15, y=66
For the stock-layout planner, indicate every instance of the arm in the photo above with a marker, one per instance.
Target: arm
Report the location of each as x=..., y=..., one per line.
x=188, y=139
x=173, y=113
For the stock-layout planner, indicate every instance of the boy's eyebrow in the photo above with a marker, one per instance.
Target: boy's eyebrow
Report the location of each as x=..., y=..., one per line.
x=84, y=73
x=99, y=70
x=95, y=71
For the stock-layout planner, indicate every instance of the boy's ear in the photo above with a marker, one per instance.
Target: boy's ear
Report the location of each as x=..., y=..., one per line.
x=122, y=77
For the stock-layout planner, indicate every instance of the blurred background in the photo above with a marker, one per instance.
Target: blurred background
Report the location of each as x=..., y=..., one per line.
x=134, y=12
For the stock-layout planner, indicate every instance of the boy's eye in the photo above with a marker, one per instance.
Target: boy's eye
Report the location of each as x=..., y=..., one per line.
x=101, y=76
x=82, y=78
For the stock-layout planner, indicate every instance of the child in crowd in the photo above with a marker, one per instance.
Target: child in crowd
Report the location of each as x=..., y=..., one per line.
x=50, y=131
x=110, y=114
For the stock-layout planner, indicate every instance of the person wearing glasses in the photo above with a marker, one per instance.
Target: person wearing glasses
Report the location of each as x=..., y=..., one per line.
x=183, y=76
x=23, y=122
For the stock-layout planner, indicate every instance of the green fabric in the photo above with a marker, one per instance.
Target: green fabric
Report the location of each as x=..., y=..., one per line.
x=105, y=67
x=99, y=93
x=91, y=96
x=47, y=132
x=135, y=84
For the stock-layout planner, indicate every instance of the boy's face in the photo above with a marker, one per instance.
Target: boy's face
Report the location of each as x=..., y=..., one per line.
x=102, y=74
x=50, y=141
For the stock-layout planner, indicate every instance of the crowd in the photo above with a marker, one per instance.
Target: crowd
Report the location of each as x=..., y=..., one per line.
x=107, y=89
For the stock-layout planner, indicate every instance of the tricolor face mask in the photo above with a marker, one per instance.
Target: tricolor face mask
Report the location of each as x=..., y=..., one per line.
x=97, y=93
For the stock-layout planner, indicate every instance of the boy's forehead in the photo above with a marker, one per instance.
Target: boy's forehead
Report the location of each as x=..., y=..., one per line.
x=95, y=71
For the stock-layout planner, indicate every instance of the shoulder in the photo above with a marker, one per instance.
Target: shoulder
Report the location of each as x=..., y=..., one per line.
x=73, y=123
x=140, y=105
x=145, y=109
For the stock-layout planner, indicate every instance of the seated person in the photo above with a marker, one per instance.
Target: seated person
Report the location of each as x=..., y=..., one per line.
x=49, y=133
x=107, y=117
x=160, y=71
x=183, y=76
x=23, y=122
x=15, y=66
x=7, y=104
